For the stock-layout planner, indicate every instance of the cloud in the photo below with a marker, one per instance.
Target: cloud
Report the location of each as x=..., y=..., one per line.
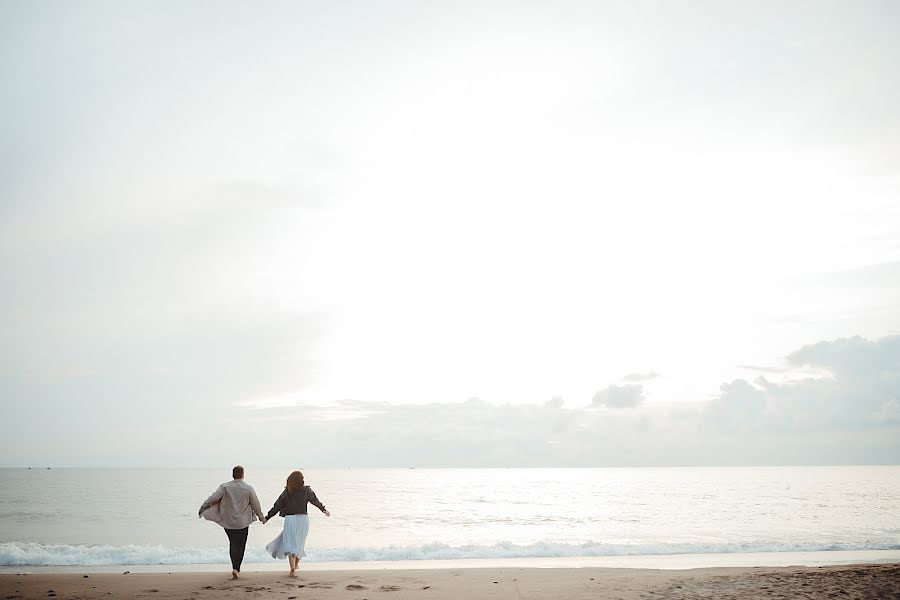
x=272, y=402
x=619, y=396
x=639, y=377
x=468, y=434
x=740, y=405
x=771, y=370
x=860, y=390
x=853, y=358
x=851, y=417
x=554, y=402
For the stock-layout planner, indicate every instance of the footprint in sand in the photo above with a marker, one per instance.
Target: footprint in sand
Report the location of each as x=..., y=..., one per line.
x=321, y=586
x=389, y=588
x=353, y=587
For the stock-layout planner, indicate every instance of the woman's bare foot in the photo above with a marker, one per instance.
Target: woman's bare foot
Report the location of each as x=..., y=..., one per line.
x=234, y=574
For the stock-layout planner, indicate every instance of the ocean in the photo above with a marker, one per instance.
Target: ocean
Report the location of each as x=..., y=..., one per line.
x=96, y=517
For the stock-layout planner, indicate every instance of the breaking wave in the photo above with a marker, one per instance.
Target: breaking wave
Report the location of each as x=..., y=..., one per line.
x=33, y=554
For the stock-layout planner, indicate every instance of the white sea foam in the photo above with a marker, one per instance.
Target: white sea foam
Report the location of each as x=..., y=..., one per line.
x=31, y=554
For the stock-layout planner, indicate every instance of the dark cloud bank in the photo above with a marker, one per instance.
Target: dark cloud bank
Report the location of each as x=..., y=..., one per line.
x=619, y=396
x=850, y=415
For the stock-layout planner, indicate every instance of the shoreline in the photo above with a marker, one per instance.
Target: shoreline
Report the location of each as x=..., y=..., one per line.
x=851, y=581
x=657, y=562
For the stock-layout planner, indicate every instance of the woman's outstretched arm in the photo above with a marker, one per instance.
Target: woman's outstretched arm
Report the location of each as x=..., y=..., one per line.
x=279, y=504
x=314, y=500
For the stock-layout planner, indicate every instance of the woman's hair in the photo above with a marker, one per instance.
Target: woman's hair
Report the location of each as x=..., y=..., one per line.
x=294, y=482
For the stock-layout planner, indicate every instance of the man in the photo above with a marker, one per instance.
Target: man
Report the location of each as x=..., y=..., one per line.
x=234, y=506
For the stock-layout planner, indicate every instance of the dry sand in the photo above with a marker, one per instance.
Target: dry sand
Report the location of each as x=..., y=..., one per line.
x=840, y=582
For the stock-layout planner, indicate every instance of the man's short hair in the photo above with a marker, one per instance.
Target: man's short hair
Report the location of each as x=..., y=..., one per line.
x=238, y=472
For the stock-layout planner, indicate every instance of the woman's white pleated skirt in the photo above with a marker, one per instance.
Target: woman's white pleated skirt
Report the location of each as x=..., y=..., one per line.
x=292, y=539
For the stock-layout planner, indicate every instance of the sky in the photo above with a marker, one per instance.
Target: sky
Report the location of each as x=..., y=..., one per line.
x=449, y=233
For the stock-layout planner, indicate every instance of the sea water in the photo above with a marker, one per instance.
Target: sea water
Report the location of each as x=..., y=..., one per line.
x=90, y=517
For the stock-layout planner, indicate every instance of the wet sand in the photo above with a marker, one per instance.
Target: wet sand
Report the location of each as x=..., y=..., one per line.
x=839, y=582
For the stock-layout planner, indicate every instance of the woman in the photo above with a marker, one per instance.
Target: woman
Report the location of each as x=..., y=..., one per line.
x=291, y=505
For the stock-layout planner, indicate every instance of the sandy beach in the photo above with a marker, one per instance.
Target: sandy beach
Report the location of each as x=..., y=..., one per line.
x=855, y=581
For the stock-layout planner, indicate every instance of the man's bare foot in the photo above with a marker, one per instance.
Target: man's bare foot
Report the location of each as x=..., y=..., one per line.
x=234, y=574
x=292, y=573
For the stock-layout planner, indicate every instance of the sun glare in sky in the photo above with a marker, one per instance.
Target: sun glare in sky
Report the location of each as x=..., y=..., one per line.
x=424, y=203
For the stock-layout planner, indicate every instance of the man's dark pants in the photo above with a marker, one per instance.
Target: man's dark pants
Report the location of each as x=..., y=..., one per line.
x=237, y=542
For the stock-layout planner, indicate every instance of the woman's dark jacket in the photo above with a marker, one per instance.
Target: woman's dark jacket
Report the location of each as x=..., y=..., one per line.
x=295, y=503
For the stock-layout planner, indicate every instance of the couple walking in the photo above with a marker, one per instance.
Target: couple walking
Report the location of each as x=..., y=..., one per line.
x=234, y=505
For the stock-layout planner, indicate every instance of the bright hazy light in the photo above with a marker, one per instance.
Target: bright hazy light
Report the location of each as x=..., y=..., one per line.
x=426, y=203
